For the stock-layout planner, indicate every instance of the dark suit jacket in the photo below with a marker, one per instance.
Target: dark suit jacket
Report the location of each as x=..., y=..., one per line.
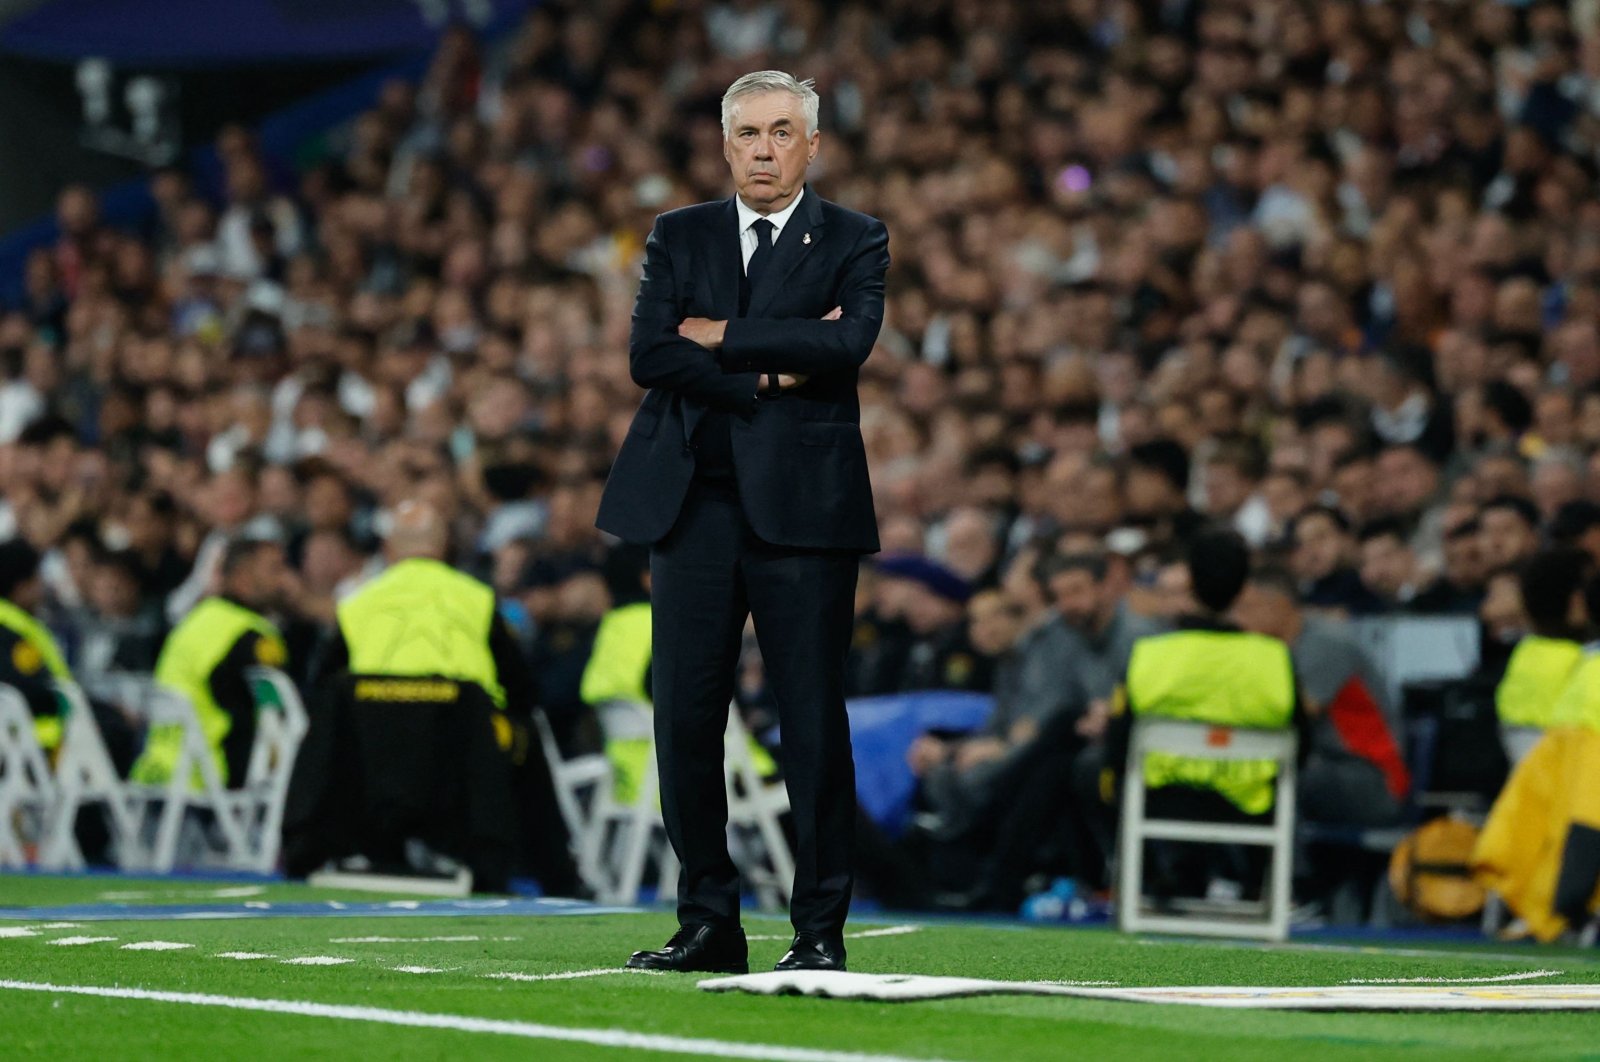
x=798, y=458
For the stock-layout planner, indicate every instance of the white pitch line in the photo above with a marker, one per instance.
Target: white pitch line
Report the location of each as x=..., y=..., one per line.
x=886, y=931
x=11, y=932
x=71, y=942
x=571, y=975
x=1375, y=950
x=1530, y=975
x=416, y=969
x=677, y=1045
x=317, y=960
x=60, y=925
x=415, y=940
x=156, y=945
x=243, y=955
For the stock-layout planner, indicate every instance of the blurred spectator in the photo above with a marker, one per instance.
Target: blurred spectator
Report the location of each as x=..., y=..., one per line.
x=121, y=631
x=1354, y=773
x=1324, y=562
x=1389, y=570
x=1091, y=603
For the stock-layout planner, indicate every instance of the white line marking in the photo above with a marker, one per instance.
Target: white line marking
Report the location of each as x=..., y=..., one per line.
x=416, y=969
x=678, y=1045
x=70, y=942
x=243, y=955
x=571, y=975
x=414, y=940
x=317, y=960
x=61, y=925
x=8, y=932
x=886, y=931
x=155, y=945
x=404, y=905
x=1530, y=975
x=1449, y=954
x=1078, y=984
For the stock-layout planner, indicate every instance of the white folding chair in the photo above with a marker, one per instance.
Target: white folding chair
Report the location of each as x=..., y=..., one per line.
x=757, y=805
x=27, y=789
x=258, y=804
x=579, y=784
x=86, y=775
x=625, y=835
x=1204, y=741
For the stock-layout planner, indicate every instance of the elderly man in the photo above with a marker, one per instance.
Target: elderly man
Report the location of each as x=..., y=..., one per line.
x=745, y=472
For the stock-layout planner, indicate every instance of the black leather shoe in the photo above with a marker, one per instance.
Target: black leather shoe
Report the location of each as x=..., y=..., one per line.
x=813, y=951
x=698, y=949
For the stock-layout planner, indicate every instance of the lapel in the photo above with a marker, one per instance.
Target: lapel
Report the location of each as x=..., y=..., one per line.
x=724, y=264
x=790, y=250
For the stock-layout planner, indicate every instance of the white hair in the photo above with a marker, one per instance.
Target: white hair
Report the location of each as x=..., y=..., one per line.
x=772, y=81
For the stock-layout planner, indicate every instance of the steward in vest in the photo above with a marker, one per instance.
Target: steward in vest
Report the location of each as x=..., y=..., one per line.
x=1211, y=671
x=1540, y=848
x=207, y=658
x=1354, y=774
x=1545, y=659
x=421, y=618
x=29, y=655
x=619, y=668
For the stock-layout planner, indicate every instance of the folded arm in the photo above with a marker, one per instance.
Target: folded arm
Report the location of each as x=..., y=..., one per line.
x=810, y=347
x=658, y=357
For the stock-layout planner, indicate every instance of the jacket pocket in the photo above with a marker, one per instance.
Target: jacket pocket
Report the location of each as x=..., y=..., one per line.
x=828, y=433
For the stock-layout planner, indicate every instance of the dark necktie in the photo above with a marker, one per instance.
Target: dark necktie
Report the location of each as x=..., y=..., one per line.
x=758, y=260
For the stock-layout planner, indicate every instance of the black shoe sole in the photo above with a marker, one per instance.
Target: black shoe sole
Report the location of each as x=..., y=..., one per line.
x=742, y=968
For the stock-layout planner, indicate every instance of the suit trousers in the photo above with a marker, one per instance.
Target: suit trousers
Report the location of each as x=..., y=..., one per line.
x=708, y=574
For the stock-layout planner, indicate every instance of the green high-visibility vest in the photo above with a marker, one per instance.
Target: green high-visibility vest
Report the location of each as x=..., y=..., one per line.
x=195, y=649
x=1229, y=678
x=37, y=641
x=421, y=618
x=1579, y=703
x=1536, y=675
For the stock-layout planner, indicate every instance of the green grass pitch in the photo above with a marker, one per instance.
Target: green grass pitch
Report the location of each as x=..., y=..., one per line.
x=55, y=1025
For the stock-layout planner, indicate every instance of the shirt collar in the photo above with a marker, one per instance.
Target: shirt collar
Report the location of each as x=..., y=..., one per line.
x=748, y=217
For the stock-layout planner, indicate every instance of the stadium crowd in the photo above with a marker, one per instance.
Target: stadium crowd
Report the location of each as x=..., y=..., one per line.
x=1327, y=273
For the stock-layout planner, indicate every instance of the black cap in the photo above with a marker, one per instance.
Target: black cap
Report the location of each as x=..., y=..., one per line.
x=1573, y=519
x=1165, y=456
x=1219, y=564
x=19, y=562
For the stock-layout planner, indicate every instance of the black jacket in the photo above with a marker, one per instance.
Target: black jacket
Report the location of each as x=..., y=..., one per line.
x=799, y=461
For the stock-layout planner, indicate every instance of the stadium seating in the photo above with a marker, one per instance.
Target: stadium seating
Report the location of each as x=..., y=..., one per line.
x=1203, y=741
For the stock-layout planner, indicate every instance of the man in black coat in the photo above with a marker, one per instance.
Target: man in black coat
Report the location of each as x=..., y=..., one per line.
x=745, y=473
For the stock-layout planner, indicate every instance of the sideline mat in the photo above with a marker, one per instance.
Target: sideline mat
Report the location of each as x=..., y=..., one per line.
x=900, y=988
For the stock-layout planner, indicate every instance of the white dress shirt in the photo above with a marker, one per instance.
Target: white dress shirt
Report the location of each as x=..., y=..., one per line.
x=748, y=217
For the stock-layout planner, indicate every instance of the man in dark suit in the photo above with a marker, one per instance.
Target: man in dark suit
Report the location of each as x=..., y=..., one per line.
x=745, y=472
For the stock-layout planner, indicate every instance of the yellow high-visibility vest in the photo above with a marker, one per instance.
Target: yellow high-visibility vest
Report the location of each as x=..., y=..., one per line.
x=1535, y=678
x=1230, y=678
x=36, y=649
x=194, y=649
x=421, y=617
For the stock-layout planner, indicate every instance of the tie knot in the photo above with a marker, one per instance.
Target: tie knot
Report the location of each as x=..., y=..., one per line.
x=763, y=229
